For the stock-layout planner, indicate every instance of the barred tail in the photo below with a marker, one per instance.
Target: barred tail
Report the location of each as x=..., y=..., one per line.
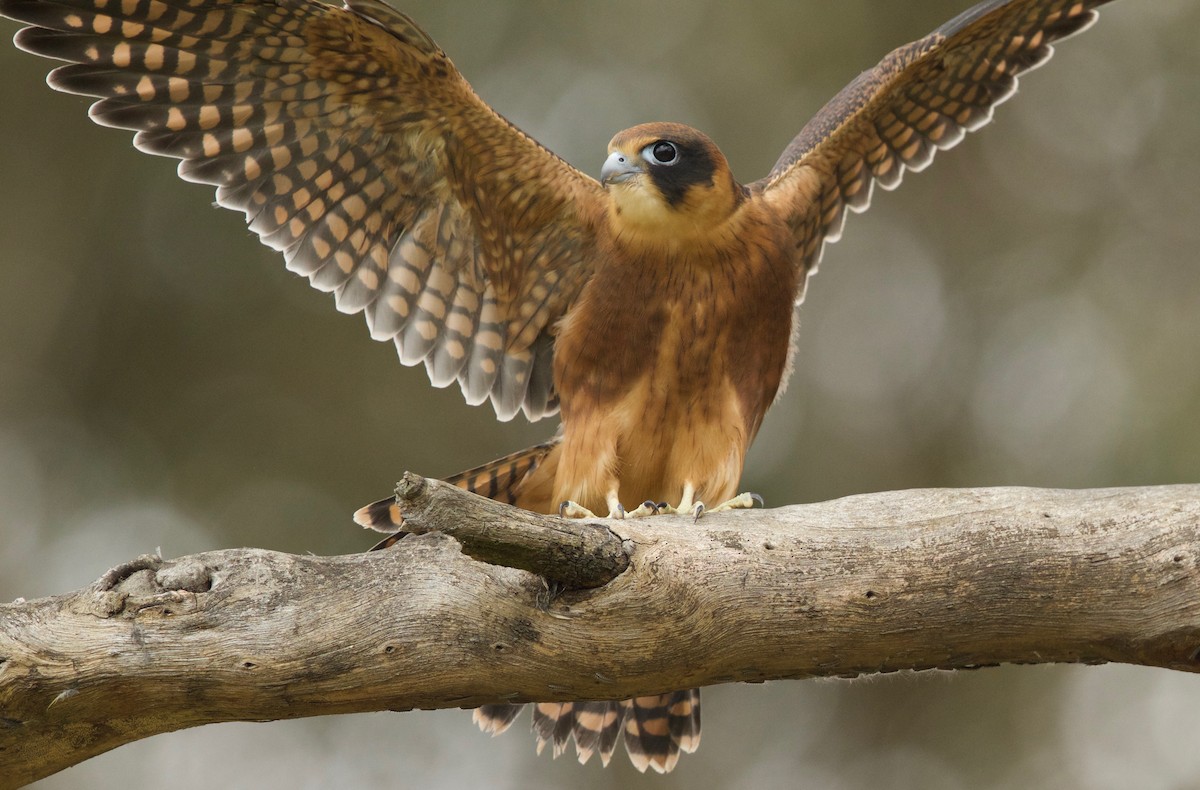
x=499, y=480
x=657, y=728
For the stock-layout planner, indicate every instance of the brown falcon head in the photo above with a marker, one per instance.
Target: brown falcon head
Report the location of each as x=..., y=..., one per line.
x=668, y=180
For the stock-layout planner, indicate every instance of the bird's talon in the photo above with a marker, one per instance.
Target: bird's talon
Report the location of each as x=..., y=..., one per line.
x=569, y=509
x=647, y=508
x=743, y=501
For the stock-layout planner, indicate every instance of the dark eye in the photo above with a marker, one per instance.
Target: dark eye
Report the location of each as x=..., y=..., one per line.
x=661, y=153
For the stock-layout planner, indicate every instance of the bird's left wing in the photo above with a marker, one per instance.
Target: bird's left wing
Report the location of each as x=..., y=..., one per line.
x=356, y=148
x=920, y=99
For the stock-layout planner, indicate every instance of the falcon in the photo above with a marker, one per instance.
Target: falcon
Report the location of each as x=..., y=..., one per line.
x=652, y=309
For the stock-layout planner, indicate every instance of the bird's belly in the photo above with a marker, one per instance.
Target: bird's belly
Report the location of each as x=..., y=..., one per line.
x=676, y=439
x=675, y=419
x=665, y=368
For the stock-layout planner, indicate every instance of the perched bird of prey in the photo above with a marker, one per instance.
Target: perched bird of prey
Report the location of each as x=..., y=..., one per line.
x=653, y=308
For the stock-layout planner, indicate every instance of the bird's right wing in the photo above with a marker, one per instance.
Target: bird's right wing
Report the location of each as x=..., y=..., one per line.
x=356, y=148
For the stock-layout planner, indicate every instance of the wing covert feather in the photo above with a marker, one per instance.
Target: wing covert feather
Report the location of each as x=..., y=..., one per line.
x=921, y=98
x=353, y=146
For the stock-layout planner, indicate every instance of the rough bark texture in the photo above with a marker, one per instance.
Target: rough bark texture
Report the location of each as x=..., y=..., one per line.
x=566, y=552
x=873, y=583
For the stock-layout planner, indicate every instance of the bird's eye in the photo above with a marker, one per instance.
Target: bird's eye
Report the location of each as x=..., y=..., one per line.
x=661, y=153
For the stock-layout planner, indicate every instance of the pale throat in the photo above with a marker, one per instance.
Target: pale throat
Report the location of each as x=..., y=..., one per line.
x=639, y=214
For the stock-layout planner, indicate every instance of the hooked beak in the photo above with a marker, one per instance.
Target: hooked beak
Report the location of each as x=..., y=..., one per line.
x=619, y=167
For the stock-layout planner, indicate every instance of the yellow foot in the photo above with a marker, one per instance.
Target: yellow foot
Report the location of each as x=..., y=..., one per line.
x=571, y=509
x=647, y=508
x=743, y=501
x=688, y=505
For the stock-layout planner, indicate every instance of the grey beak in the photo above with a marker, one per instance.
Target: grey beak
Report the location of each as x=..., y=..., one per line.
x=619, y=167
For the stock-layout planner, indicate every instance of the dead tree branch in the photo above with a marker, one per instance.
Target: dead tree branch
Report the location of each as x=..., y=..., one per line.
x=463, y=614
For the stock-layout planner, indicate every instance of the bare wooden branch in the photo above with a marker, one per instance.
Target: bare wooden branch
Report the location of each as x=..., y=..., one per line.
x=568, y=552
x=873, y=583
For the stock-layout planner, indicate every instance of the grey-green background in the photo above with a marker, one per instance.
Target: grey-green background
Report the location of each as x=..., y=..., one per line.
x=1025, y=313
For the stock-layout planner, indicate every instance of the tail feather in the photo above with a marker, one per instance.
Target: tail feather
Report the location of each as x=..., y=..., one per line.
x=552, y=724
x=496, y=718
x=657, y=728
x=596, y=727
x=684, y=712
x=381, y=516
x=499, y=480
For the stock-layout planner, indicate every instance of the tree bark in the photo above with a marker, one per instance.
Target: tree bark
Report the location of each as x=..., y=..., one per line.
x=491, y=604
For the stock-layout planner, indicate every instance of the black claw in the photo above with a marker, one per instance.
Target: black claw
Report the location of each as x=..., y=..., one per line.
x=699, y=512
x=562, y=507
x=621, y=509
x=650, y=504
x=663, y=505
x=758, y=499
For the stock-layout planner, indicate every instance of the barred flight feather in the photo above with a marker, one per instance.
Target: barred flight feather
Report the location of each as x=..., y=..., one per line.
x=315, y=121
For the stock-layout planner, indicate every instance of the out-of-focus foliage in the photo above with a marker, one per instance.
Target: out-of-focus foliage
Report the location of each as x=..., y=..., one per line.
x=1027, y=312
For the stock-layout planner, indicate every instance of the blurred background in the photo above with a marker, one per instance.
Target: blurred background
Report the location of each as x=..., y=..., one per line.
x=1026, y=312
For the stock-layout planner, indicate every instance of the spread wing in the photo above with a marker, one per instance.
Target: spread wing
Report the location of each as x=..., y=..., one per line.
x=920, y=99
x=356, y=148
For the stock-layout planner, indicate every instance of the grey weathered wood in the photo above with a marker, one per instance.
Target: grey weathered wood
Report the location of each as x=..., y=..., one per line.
x=568, y=552
x=872, y=583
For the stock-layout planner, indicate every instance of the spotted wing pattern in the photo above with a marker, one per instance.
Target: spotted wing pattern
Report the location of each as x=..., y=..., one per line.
x=656, y=728
x=356, y=148
x=920, y=99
